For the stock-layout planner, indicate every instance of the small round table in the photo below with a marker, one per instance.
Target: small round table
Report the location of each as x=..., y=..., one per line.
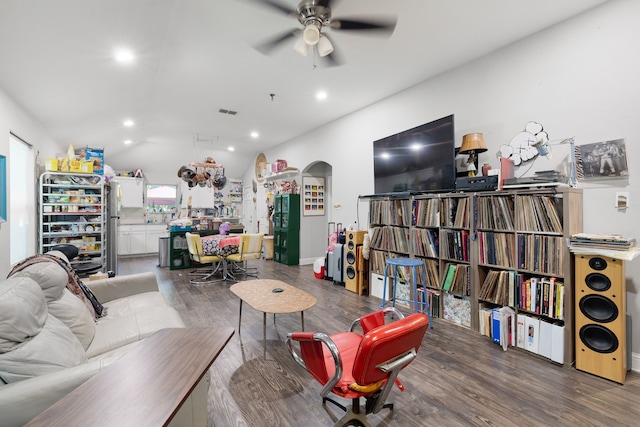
x=421, y=306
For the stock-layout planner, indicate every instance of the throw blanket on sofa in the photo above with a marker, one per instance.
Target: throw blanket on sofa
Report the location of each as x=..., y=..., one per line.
x=75, y=285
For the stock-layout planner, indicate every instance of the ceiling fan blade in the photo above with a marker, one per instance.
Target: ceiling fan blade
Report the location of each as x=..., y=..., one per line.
x=277, y=6
x=274, y=42
x=332, y=60
x=348, y=24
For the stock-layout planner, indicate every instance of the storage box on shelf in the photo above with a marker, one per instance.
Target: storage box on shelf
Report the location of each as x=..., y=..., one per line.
x=72, y=210
x=485, y=251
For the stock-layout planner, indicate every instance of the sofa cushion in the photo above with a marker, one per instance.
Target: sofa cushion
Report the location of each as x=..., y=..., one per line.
x=23, y=312
x=51, y=350
x=132, y=319
x=53, y=280
x=75, y=315
x=32, y=342
x=50, y=276
x=32, y=267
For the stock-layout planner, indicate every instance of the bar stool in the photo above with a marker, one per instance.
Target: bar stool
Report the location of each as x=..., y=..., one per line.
x=395, y=263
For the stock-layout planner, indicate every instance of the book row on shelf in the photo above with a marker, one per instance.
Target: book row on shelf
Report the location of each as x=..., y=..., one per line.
x=538, y=295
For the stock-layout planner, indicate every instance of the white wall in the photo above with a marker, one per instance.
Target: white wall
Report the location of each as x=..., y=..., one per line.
x=580, y=78
x=14, y=120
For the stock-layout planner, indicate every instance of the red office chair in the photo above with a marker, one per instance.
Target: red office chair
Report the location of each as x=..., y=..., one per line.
x=354, y=366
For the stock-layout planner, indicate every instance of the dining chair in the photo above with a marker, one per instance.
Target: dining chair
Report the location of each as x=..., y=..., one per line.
x=250, y=248
x=196, y=253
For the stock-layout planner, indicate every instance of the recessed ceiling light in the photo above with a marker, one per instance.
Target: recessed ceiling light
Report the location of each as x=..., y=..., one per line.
x=231, y=149
x=254, y=134
x=124, y=56
x=127, y=142
x=128, y=123
x=322, y=95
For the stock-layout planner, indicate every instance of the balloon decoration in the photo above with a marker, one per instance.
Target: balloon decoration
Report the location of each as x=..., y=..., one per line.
x=203, y=174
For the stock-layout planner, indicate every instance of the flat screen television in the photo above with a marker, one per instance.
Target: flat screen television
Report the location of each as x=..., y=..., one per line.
x=421, y=159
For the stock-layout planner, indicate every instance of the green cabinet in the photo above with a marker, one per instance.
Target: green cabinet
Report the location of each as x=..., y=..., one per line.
x=286, y=229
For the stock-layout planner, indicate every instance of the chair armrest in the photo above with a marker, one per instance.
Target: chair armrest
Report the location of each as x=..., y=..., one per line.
x=309, y=339
x=123, y=286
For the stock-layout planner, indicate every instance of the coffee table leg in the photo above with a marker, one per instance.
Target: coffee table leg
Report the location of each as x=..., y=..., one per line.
x=264, y=332
x=240, y=317
x=302, y=319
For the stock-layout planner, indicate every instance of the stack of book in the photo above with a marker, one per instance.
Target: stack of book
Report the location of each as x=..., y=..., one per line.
x=602, y=241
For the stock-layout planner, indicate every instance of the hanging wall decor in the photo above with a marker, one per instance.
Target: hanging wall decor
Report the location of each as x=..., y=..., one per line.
x=313, y=195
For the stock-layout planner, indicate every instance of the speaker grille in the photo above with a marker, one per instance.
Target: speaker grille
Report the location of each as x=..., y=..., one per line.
x=598, y=263
x=597, y=282
x=599, y=308
x=351, y=257
x=598, y=338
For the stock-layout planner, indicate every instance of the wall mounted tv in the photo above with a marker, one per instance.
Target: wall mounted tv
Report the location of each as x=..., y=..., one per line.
x=421, y=159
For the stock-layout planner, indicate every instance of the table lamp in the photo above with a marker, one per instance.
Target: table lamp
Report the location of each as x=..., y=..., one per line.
x=472, y=144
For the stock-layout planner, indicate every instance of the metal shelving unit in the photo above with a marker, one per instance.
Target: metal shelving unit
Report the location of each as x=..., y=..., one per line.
x=73, y=211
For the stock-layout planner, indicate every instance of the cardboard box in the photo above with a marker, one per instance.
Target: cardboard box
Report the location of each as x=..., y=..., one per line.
x=51, y=165
x=96, y=157
x=75, y=166
x=86, y=167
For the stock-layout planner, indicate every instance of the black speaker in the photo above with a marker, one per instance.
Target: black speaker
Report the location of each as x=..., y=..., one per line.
x=601, y=319
x=353, y=239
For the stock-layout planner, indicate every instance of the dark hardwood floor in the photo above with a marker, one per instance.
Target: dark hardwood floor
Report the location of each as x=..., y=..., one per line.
x=458, y=379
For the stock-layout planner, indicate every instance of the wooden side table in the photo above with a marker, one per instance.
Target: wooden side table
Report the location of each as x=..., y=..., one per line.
x=145, y=387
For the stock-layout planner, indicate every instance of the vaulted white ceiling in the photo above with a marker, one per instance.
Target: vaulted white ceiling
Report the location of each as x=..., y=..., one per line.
x=195, y=57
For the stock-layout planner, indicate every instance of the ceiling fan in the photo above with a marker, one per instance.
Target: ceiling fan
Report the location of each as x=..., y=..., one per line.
x=315, y=16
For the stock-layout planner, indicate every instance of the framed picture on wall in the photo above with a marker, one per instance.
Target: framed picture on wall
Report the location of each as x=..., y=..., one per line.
x=313, y=196
x=604, y=160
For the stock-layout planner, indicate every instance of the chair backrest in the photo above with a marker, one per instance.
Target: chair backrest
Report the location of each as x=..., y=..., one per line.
x=194, y=244
x=251, y=245
x=385, y=343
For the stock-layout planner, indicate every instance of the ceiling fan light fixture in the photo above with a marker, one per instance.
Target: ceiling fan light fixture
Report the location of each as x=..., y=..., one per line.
x=325, y=47
x=311, y=34
x=301, y=47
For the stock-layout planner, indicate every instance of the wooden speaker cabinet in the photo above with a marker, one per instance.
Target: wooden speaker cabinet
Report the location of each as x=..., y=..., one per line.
x=601, y=319
x=353, y=240
x=362, y=267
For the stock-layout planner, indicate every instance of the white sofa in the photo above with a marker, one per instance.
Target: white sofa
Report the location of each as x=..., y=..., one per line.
x=50, y=343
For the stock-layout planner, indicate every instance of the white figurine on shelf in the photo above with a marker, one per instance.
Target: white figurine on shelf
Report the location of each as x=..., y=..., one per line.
x=471, y=169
